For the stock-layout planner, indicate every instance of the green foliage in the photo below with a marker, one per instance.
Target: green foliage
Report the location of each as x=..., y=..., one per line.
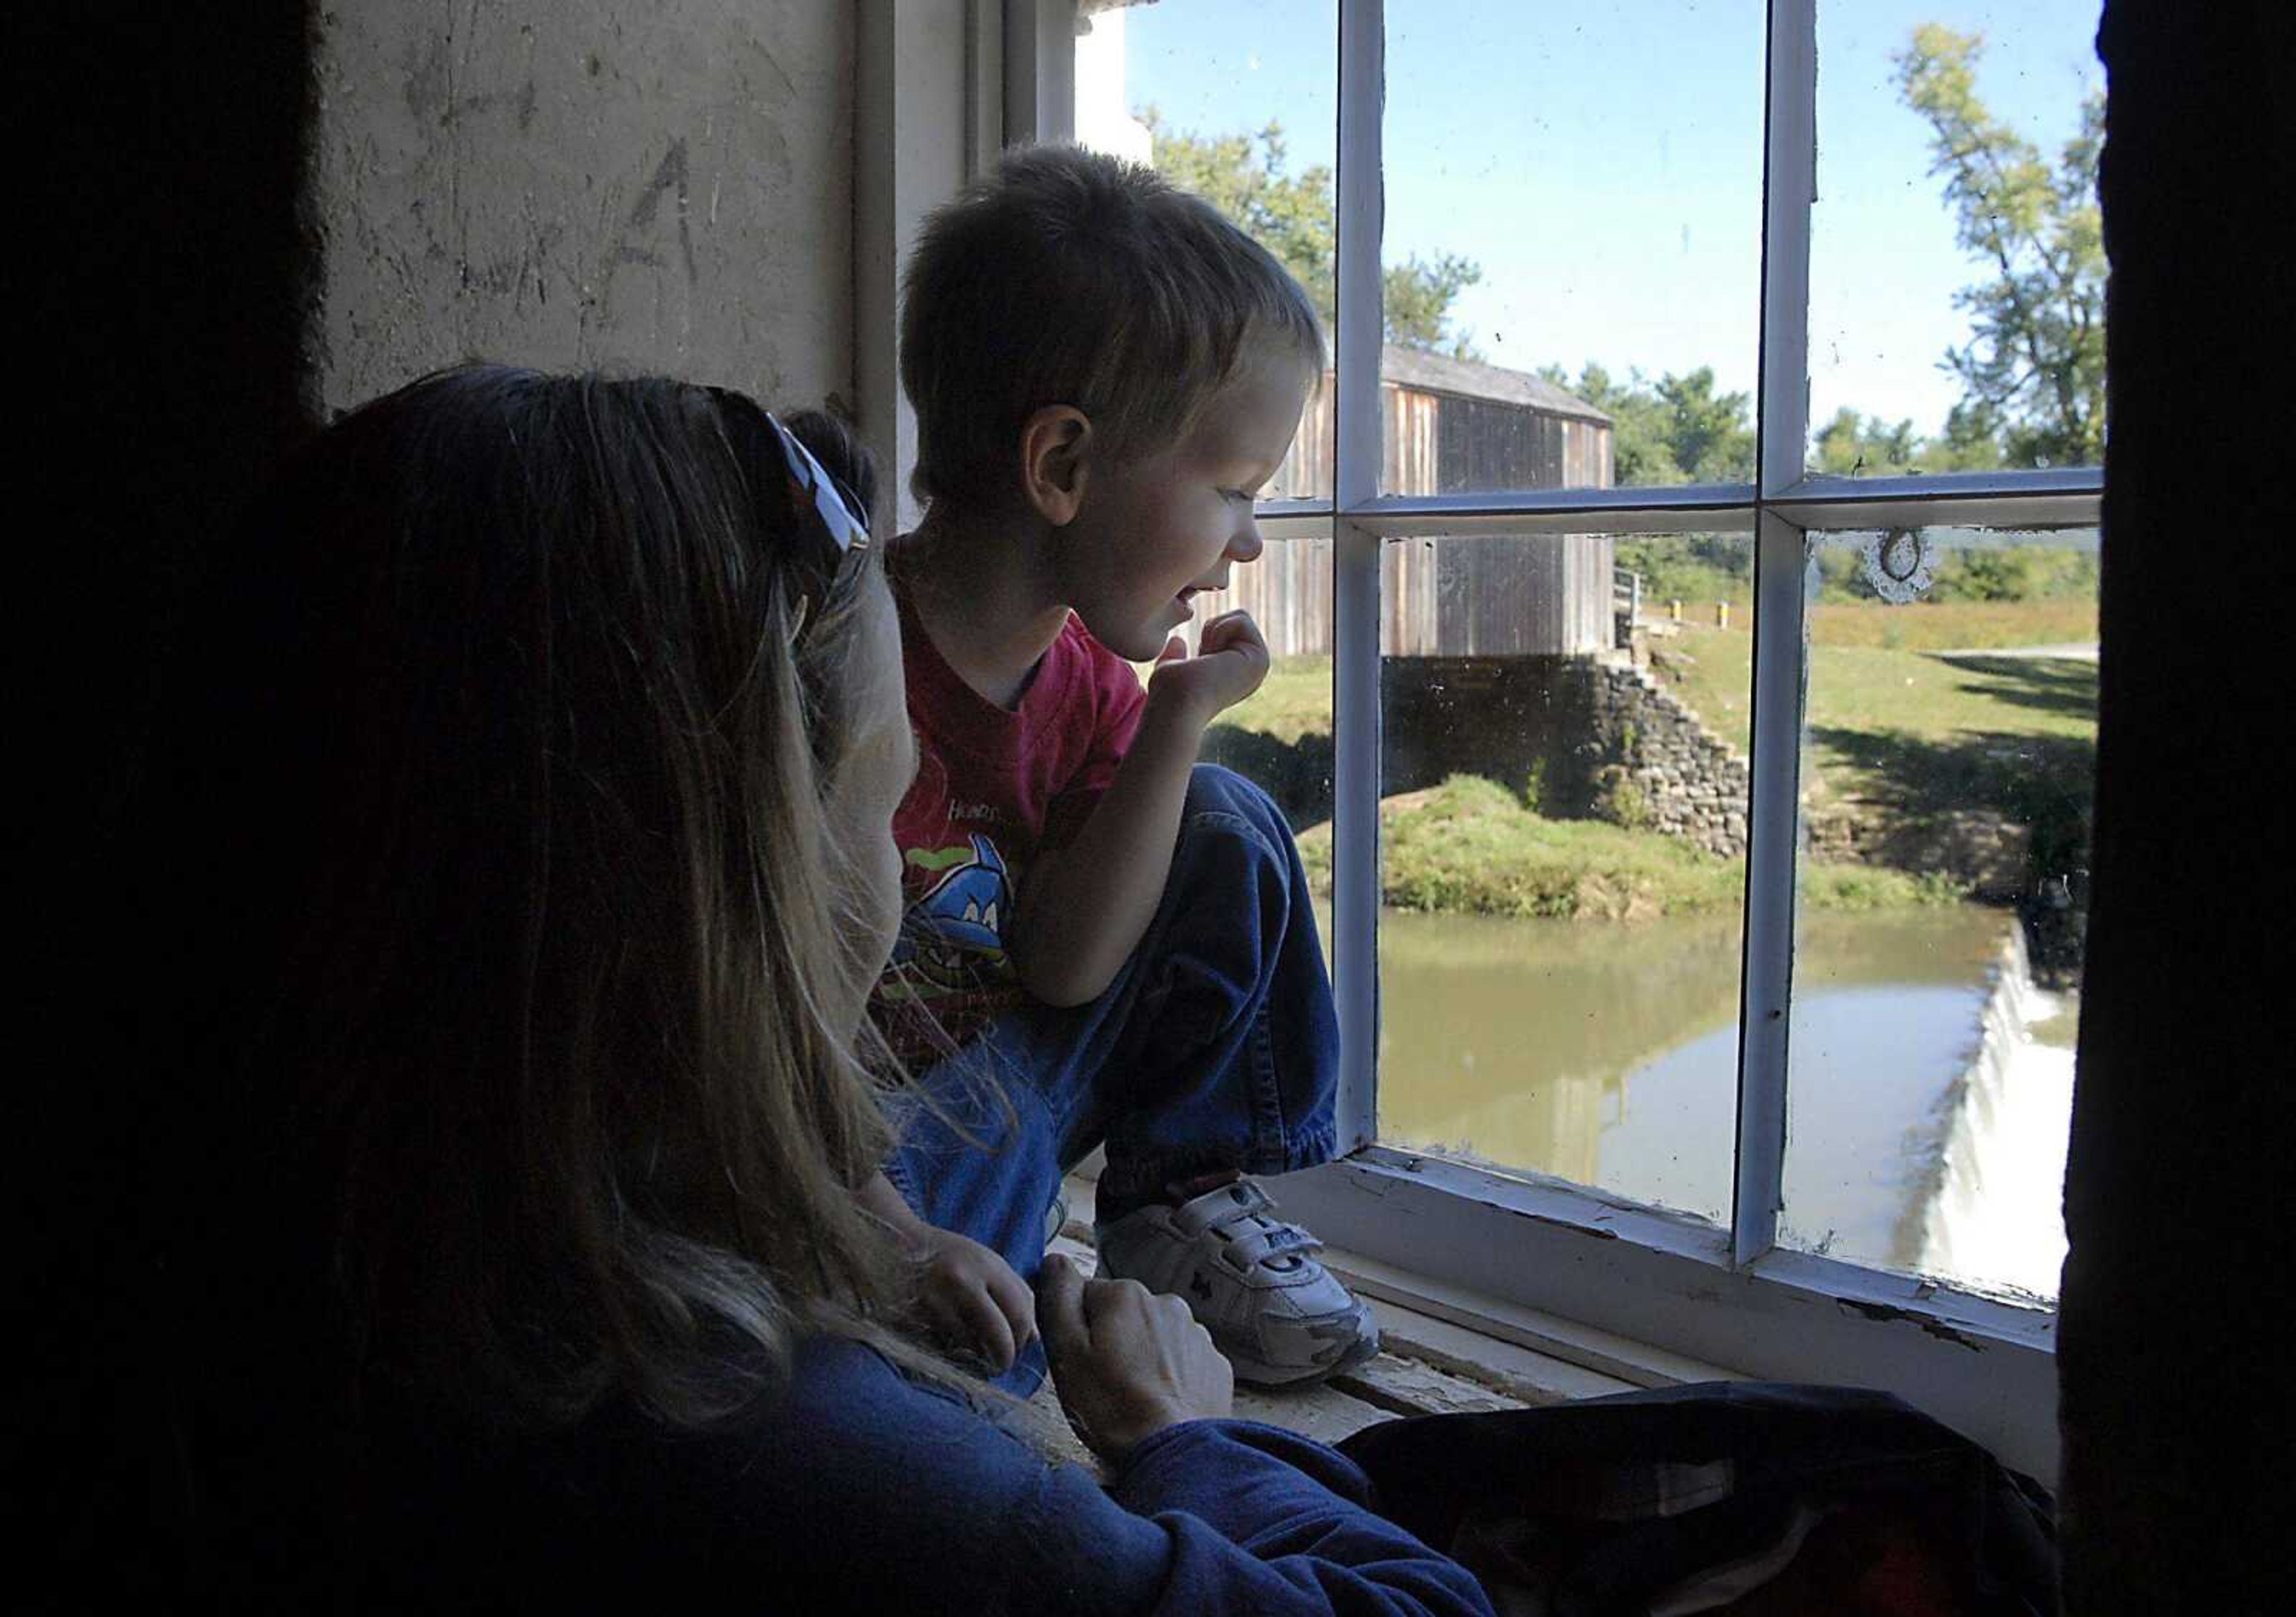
x=1676, y=429
x=1864, y=888
x=2016, y=573
x=1294, y=700
x=1416, y=298
x=1711, y=434
x=1619, y=800
x=2002, y=573
x=2032, y=374
x=1696, y=569
x=1469, y=848
x=1852, y=445
x=1534, y=786
x=1841, y=574
x=1247, y=177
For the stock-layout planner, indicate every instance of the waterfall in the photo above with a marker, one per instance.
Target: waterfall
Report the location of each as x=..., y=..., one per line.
x=1994, y=1216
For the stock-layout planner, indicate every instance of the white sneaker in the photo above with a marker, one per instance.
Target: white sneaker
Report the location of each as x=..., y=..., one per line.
x=1252, y=1280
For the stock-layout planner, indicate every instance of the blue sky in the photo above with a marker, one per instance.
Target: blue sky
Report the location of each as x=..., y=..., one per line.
x=1601, y=162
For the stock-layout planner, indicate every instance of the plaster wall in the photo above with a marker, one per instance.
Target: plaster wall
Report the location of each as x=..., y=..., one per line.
x=636, y=184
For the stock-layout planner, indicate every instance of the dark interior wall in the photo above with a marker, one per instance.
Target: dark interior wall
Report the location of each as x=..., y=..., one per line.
x=2174, y=1348
x=242, y=219
x=246, y=218
x=171, y=277
x=166, y=289
x=166, y=284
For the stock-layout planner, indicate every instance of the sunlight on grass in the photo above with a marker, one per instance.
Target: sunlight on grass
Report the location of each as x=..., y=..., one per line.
x=1295, y=701
x=1469, y=847
x=1871, y=706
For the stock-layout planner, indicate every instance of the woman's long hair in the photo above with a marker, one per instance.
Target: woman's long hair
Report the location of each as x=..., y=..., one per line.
x=509, y=930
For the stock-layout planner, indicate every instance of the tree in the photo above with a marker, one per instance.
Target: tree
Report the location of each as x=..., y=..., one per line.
x=1710, y=433
x=1247, y=177
x=1852, y=445
x=1676, y=429
x=1415, y=303
x=2032, y=374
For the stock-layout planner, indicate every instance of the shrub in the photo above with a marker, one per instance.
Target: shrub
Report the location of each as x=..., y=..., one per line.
x=1619, y=800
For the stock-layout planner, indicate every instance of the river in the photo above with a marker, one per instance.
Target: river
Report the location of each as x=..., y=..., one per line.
x=1607, y=1055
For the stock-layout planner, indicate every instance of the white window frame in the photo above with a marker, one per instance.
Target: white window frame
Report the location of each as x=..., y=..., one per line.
x=1730, y=1297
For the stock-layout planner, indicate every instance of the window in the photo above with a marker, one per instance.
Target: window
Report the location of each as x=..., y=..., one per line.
x=1703, y=722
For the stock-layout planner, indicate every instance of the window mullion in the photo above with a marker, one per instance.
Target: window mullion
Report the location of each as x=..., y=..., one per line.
x=1773, y=831
x=1355, y=649
x=1039, y=70
x=1789, y=189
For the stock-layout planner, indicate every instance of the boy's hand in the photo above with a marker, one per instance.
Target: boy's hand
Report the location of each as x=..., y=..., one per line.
x=970, y=1297
x=1231, y=660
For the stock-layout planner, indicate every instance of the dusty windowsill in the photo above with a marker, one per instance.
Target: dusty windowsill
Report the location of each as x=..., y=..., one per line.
x=1442, y=1351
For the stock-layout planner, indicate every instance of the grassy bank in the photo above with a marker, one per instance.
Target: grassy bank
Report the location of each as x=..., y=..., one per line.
x=1295, y=700
x=1890, y=719
x=1901, y=725
x=1872, y=668
x=1469, y=847
x=1898, y=731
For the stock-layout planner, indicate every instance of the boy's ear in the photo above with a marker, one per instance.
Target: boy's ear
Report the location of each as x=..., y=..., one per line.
x=1055, y=451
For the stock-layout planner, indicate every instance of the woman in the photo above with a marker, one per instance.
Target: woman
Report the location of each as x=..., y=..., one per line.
x=532, y=830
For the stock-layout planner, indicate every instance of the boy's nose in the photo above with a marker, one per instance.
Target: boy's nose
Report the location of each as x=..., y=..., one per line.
x=1246, y=543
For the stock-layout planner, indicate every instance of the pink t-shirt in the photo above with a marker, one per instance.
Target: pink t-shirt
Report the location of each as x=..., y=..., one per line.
x=994, y=785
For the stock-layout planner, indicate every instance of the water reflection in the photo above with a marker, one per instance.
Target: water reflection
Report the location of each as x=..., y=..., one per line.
x=1607, y=1056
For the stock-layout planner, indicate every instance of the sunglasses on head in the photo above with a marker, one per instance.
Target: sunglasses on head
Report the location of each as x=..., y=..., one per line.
x=831, y=526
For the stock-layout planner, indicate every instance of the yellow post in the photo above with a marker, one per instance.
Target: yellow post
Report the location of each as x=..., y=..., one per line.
x=1721, y=613
x=1673, y=610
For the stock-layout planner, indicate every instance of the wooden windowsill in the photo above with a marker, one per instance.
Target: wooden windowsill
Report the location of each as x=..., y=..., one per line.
x=1443, y=1350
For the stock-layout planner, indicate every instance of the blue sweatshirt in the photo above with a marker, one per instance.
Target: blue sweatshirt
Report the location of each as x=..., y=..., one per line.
x=863, y=1492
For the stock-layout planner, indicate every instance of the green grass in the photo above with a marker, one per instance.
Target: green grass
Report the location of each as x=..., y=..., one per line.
x=1953, y=625
x=1469, y=847
x=1900, y=723
x=1294, y=701
x=1871, y=671
x=1895, y=732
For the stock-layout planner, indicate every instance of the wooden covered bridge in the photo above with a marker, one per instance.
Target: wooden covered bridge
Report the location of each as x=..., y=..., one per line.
x=1451, y=426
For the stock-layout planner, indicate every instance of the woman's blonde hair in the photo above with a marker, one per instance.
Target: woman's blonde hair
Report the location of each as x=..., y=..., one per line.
x=505, y=779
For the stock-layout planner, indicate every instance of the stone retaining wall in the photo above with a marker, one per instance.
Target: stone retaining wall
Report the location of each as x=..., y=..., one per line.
x=1667, y=769
x=1582, y=736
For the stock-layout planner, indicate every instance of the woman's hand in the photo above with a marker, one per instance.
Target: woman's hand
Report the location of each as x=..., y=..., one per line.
x=1127, y=1363
x=970, y=1297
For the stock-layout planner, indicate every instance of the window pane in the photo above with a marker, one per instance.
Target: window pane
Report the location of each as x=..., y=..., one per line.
x=1563, y=845
x=1281, y=736
x=1949, y=754
x=1239, y=104
x=1956, y=264
x=1572, y=253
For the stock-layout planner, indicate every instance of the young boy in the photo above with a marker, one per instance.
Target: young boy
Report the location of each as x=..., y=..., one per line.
x=1104, y=373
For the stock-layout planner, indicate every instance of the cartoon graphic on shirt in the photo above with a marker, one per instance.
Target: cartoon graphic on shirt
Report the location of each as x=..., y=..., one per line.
x=952, y=934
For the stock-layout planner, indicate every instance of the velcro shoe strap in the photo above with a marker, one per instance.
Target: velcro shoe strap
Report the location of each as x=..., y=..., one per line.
x=1247, y=1253
x=1228, y=1205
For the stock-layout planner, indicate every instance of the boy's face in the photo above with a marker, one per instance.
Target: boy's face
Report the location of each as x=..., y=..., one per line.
x=1151, y=534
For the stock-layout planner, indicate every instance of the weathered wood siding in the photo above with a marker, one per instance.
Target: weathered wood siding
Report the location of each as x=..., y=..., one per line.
x=1541, y=595
x=1454, y=597
x=1441, y=444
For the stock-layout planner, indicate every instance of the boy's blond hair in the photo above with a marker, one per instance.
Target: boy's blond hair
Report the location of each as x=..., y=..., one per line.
x=1072, y=278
